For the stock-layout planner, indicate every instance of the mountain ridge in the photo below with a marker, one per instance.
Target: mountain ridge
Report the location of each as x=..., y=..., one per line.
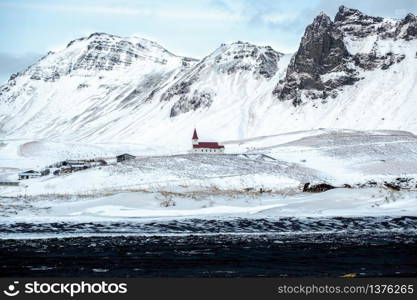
x=345, y=74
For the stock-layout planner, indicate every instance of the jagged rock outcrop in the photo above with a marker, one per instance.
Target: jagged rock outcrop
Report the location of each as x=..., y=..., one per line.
x=332, y=55
x=317, y=188
x=195, y=101
x=408, y=28
x=354, y=22
x=321, y=51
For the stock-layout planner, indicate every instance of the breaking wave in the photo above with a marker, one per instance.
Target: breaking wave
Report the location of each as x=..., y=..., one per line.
x=211, y=226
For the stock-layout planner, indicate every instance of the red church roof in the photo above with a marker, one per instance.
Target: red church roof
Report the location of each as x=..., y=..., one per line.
x=210, y=145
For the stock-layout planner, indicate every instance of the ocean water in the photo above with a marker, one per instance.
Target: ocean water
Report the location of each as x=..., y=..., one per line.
x=226, y=247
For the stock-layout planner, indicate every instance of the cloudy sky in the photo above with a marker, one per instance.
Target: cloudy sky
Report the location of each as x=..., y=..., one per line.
x=30, y=28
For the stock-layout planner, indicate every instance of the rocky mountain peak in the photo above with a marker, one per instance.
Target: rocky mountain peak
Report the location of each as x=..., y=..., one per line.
x=230, y=58
x=346, y=13
x=331, y=55
x=354, y=16
x=357, y=24
x=235, y=60
x=408, y=27
x=100, y=52
x=322, y=20
x=321, y=50
x=409, y=18
x=322, y=29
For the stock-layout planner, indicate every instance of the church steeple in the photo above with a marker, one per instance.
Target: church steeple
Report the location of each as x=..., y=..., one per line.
x=195, y=137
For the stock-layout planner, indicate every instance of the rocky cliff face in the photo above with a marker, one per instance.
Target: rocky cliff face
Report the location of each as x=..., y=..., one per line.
x=321, y=51
x=408, y=28
x=333, y=54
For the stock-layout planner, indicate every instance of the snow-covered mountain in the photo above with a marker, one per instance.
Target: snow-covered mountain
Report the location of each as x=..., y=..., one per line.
x=357, y=72
x=94, y=82
x=238, y=68
x=337, y=54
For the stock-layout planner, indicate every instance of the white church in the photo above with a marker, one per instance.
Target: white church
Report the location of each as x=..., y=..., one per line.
x=205, y=147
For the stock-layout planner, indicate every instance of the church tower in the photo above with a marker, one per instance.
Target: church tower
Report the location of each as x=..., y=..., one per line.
x=195, y=137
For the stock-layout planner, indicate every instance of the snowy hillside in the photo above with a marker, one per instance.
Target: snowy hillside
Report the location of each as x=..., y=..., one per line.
x=357, y=72
x=223, y=79
x=93, y=85
x=264, y=180
x=281, y=163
